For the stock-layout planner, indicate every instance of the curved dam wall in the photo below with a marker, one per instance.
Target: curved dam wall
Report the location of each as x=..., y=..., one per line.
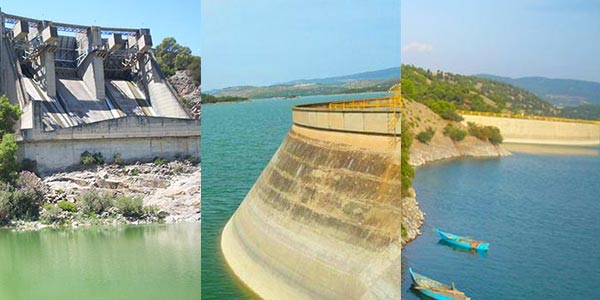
x=323, y=220
x=545, y=132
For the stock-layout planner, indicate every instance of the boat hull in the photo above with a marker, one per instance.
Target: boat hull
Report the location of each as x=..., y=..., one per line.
x=421, y=283
x=463, y=242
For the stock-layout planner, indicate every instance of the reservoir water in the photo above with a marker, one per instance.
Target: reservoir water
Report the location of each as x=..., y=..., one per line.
x=150, y=262
x=238, y=141
x=540, y=213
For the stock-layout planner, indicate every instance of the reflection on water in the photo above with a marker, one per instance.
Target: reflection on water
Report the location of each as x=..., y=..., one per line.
x=127, y=262
x=551, y=149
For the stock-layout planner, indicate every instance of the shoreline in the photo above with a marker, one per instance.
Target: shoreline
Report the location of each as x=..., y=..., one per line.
x=290, y=99
x=169, y=193
x=412, y=215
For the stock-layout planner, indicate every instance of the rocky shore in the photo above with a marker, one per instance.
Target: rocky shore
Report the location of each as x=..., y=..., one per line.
x=170, y=193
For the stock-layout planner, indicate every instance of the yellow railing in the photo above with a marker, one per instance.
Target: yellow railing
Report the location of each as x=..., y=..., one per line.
x=394, y=101
x=528, y=117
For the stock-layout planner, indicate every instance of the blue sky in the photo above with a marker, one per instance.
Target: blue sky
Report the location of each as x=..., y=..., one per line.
x=516, y=38
x=179, y=19
x=263, y=42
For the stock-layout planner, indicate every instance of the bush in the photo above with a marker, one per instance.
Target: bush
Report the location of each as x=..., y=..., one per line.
x=88, y=158
x=485, y=133
x=8, y=157
x=27, y=196
x=5, y=202
x=455, y=133
x=118, y=159
x=425, y=136
x=159, y=161
x=92, y=202
x=445, y=109
x=130, y=207
x=51, y=214
x=67, y=206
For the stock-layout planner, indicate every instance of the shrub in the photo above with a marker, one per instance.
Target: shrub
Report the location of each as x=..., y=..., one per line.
x=150, y=210
x=130, y=207
x=5, y=202
x=159, y=161
x=135, y=172
x=118, y=159
x=425, y=136
x=51, y=214
x=8, y=157
x=98, y=158
x=445, y=109
x=67, y=206
x=27, y=196
x=454, y=132
x=485, y=133
x=93, y=202
x=88, y=158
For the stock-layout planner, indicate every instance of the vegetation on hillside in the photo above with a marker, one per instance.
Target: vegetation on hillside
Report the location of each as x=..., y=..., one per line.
x=444, y=92
x=173, y=57
x=207, y=98
x=567, y=92
x=407, y=171
x=585, y=111
x=307, y=89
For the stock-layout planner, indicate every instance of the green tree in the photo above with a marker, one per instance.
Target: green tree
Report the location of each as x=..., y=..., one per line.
x=8, y=158
x=9, y=115
x=173, y=57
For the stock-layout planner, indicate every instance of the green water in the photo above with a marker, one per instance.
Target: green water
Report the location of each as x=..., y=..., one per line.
x=101, y=263
x=238, y=141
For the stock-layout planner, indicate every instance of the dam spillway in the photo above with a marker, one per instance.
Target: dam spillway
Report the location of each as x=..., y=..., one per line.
x=323, y=220
x=90, y=88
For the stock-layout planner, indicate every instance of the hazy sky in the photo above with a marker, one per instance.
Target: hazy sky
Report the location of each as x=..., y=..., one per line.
x=262, y=42
x=516, y=38
x=180, y=20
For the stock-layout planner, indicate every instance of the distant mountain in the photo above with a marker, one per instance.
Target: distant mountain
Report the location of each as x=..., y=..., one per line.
x=374, y=81
x=390, y=73
x=562, y=92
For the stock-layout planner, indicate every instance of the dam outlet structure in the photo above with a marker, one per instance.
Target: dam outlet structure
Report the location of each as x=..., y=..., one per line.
x=323, y=220
x=89, y=88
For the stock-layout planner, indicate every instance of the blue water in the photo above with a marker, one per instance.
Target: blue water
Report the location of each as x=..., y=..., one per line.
x=541, y=214
x=238, y=141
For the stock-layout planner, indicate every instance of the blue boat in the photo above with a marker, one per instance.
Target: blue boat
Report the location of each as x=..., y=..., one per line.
x=463, y=242
x=435, y=290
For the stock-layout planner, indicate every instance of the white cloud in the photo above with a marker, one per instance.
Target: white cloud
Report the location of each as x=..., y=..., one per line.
x=417, y=47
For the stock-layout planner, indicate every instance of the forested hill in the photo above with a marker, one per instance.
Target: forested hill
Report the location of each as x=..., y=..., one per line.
x=564, y=92
x=444, y=91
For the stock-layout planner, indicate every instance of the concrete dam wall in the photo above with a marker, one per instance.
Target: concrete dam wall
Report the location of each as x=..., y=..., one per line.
x=538, y=131
x=323, y=220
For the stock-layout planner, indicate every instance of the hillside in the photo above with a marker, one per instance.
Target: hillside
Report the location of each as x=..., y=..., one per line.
x=375, y=81
x=389, y=73
x=562, y=92
x=440, y=90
